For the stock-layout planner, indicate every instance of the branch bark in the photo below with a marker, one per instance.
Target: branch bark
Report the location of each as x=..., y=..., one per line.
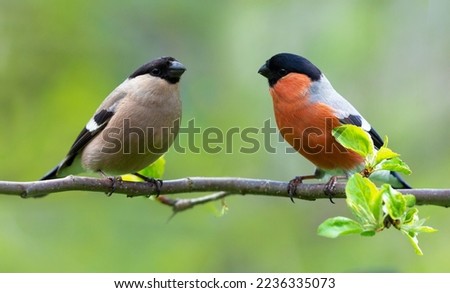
x=221, y=186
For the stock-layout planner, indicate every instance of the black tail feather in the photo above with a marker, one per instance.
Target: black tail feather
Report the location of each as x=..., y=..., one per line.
x=51, y=174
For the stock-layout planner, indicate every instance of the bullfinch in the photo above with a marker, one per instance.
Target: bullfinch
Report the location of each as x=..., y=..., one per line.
x=307, y=108
x=133, y=127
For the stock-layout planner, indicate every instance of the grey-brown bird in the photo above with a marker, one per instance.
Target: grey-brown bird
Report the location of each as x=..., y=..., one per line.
x=133, y=127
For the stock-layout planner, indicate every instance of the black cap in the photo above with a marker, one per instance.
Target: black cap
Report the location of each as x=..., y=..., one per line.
x=284, y=63
x=167, y=68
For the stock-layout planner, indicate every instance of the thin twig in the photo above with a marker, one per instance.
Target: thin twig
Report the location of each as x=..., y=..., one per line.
x=225, y=186
x=181, y=204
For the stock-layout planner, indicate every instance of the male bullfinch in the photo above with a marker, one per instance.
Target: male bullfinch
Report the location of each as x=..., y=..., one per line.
x=307, y=108
x=133, y=127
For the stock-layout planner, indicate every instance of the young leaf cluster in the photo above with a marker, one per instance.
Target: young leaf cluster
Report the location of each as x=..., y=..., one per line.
x=374, y=208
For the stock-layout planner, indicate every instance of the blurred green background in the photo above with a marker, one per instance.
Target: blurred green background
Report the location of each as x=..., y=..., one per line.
x=59, y=59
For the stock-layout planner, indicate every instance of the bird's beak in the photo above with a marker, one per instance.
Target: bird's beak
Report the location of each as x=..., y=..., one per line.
x=176, y=69
x=264, y=71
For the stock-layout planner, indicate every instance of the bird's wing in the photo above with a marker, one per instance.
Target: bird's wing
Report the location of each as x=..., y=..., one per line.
x=96, y=124
x=323, y=92
x=358, y=121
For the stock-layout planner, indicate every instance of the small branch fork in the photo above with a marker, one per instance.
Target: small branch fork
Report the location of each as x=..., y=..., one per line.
x=220, y=186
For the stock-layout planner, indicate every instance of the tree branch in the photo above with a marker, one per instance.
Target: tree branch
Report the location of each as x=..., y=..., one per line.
x=222, y=187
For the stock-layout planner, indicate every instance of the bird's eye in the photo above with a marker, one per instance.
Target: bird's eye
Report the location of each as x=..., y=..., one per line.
x=282, y=72
x=155, y=72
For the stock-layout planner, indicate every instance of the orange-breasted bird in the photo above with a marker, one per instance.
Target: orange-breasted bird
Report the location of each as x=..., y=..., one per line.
x=307, y=108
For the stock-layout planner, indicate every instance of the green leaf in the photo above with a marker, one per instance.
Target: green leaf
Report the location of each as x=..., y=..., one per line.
x=411, y=216
x=354, y=138
x=368, y=233
x=385, y=153
x=411, y=226
x=338, y=226
x=412, y=237
x=425, y=229
x=416, y=225
x=155, y=170
x=410, y=200
x=394, y=201
x=395, y=164
x=364, y=200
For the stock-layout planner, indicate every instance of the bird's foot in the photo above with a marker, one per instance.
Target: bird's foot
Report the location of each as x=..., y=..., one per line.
x=157, y=183
x=330, y=186
x=114, y=182
x=292, y=185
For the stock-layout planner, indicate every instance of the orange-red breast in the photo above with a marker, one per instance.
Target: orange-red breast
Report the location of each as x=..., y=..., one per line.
x=307, y=108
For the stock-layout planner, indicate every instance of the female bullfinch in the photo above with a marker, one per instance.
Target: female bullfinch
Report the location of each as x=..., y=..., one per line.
x=133, y=127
